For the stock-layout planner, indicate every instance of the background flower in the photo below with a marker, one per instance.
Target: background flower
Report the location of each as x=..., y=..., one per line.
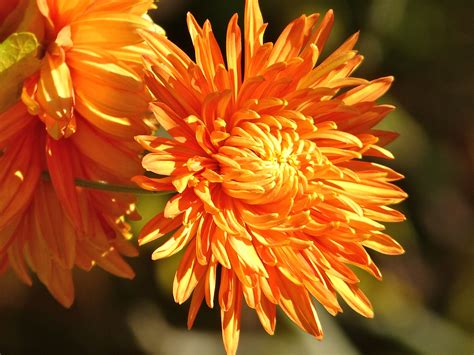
x=76, y=121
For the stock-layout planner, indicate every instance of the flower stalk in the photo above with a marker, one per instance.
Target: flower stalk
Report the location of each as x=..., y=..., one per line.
x=105, y=186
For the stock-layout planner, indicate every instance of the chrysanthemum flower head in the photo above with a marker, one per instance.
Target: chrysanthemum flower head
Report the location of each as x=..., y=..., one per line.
x=265, y=157
x=76, y=121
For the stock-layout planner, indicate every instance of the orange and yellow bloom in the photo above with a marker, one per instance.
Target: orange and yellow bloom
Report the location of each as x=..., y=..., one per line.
x=265, y=157
x=76, y=120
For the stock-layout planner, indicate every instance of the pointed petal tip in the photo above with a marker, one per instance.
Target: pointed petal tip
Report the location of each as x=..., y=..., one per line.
x=140, y=139
x=135, y=179
x=387, y=79
x=27, y=281
x=157, y=255
x=271, y=332
x=130, y=276
x=142, y=241
x=65, y=300
x=124, y=272
x=67, y=304
x=370, y=314
x=355, y=36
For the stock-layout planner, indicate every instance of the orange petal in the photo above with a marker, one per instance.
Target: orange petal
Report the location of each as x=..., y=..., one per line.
x=383, y=244
x=176, y=243
x=53, y=227
x=56, y=96
x=188, y=275
x=107, y=30
x=58, y=156
x=19, y=175
x=370, y=92
x=266, y=312
x=196, y=301
x=353, y=296
x=253, y=24
x=234, y=53
x=230, y=318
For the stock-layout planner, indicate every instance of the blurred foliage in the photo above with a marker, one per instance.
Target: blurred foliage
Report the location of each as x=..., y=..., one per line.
x=425, y=303
x=17, y=62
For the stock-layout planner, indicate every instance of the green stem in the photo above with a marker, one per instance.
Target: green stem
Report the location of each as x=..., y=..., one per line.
x=105, y=186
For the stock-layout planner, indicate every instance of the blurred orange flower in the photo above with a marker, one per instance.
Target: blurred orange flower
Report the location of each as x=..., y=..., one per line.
x=77, y=120
x=266, y=163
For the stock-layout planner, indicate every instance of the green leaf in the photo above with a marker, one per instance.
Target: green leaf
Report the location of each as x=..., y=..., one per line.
x=18, y=61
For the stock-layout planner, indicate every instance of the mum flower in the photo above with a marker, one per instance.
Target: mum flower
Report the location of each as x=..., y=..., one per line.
x=76, y=120
x=265, y=160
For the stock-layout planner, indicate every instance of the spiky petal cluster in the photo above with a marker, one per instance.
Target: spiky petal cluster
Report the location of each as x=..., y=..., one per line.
x=266, y=164
x=76, y=121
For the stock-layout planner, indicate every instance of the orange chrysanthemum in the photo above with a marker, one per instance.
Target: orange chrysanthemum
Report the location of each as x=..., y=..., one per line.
x=266, y=163
x=77, y=120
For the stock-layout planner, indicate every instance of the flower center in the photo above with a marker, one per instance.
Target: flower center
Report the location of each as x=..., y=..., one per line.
x=260, y=168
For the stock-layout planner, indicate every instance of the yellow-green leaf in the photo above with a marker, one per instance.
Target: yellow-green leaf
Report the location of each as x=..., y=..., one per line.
x=18, y=60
